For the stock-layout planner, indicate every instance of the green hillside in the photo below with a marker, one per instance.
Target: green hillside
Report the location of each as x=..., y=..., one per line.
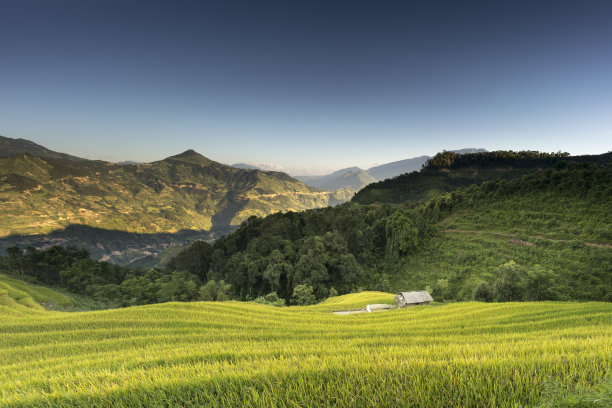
x=545, y=236
x=230, y=354
x=448, y=171
x=17, y=294
x=555, y=225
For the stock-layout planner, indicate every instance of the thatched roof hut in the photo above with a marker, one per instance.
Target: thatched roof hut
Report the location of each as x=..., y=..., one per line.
x=421, y=297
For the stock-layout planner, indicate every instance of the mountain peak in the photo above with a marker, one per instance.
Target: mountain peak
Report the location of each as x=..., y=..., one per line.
x=191, y=156
x=188, y=153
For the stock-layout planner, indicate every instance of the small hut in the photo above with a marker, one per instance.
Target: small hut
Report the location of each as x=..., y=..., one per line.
x=421, y=297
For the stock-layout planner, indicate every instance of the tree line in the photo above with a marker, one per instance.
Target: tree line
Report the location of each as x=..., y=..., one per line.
x=523, y=158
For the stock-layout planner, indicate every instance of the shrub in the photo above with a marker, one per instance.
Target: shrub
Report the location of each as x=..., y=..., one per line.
x=303, y=295
x=271, y=299
x=213, y=291
x=507, y=287
x=482, y=292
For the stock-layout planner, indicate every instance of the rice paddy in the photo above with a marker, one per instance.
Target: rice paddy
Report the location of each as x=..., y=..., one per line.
x=230, y=354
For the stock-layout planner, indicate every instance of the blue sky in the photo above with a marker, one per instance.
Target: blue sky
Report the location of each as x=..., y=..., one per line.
x=312, y=86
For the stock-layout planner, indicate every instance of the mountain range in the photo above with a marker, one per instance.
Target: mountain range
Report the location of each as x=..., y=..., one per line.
x=127, y=212
x=354, y=178
x=42, y=191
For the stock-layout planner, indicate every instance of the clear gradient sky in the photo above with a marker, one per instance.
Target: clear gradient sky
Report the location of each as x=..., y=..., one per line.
x=309, y=85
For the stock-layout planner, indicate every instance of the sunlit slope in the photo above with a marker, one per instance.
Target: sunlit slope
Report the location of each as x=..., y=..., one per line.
x=559, y=220
x=186, y=191
x=18, y=294
x=244, y=354
x=354, y=301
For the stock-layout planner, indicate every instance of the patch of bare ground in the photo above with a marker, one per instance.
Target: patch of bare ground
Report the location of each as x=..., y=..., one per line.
x=520, y=242
x=516, y=241
x=598, y=245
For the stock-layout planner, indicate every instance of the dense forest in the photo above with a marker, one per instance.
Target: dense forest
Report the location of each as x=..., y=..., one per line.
x=524, y=158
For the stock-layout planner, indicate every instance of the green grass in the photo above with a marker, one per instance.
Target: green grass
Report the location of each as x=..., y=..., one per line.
x=354, y=301
x=541, y=215
x=16, y=293
x=250, y=355
x=466, y=258
x=33, y=296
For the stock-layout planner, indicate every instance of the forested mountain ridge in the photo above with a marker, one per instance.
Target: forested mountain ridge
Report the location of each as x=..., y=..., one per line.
x=448, y=171
x=183, y=192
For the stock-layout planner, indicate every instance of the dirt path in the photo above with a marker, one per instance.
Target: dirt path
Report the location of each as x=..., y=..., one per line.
x=514, y=240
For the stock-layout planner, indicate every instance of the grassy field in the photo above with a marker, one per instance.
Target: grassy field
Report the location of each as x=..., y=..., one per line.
x=245, y=354
x=17, y=293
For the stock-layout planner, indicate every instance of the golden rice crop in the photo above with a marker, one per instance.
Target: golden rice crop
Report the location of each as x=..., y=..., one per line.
x=245, y=354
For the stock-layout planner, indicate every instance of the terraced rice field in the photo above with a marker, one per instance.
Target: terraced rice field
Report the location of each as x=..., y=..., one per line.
x=249, y=355
x=14, y=292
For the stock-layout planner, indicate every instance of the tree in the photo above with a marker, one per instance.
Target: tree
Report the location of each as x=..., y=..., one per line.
x=538, y=283
x=141, y=289
x=82, y=274
x=15, y=259
x=402, y=235
x=196, y=259
x=213, y=291
x=208, y=292
x=482, y=292
x=312, y=272
x=508, y=285
x=276, y=269
x=178, y=286
x=303, y=295
x=271, y=299
x=311, y=267
x=443, y=289
x=223, y=291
